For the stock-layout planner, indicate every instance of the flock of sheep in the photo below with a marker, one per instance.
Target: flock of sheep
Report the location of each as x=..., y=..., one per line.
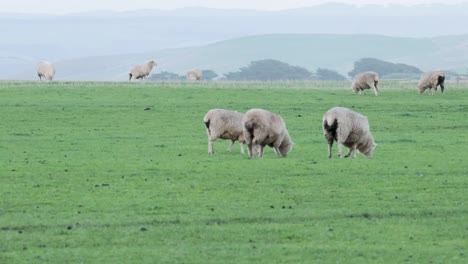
x=259, y=128
x=46, y=70
x=370, y=80
x=362, y=81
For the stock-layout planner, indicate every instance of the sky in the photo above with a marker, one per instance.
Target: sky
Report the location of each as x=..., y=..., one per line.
x=75, y=6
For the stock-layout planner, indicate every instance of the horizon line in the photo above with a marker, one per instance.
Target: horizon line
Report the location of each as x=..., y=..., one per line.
x=383, y=5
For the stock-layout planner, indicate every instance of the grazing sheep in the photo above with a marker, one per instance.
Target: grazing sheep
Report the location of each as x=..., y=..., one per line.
x=141, y=71
x=45, y=69
x=194, y=75
x=261, y=128
x=348, y=128
x=366, y=80
x=431, y=80
x=224, y=124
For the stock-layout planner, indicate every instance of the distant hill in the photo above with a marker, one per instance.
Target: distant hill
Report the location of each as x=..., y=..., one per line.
x=28, y=38
x=310, y=51
x=173, y=35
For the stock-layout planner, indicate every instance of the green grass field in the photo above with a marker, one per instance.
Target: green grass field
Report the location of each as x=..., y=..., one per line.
x=89, y=176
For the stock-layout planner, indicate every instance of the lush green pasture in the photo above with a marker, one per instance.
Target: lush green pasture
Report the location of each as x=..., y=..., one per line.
x=89, y=176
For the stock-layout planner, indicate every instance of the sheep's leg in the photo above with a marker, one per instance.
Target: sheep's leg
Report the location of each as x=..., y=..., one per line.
x=330, y=144
x=352, y=152
x=250, y=149
x=254, y=150
x=257, y=151
x=261, y=150
x=442, y=88
x=230, y=146
x=249, y=153
x=340, y=149
x=276, y=146
x=349, y=153
x=278, y=153
x=210, y=146
x=241, y=147
x=376, y=90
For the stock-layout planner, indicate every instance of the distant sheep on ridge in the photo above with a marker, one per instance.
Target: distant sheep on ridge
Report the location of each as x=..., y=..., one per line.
x=141, y=71
x=45, y=69
x=366, y=80
x=431, y=80
x=194, y=75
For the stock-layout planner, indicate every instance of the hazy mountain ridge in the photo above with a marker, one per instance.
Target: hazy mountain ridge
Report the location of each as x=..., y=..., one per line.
x=310, y=51
x=58, y=38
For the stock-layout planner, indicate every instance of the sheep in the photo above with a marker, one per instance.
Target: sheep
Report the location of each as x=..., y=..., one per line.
x=366, y=80
x=348, y=128
x=431, y=80
x=224, y=124
x=45, y=69
x=141, y=71
x=262, y=128
x=194, y=75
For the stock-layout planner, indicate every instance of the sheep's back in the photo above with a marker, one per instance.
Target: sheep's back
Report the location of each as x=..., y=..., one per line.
x=224, y=120
x=266, y=124
x=45, y=67
x=429, y=79
x=347, y=119
x=366, y=79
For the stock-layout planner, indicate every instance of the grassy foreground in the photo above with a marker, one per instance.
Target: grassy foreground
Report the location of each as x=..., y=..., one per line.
x=119, y=173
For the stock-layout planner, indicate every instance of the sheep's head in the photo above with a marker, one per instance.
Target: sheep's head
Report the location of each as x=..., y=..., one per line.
x=355, y=87
x=152, y=63
x=286, y=146
x=369, y=152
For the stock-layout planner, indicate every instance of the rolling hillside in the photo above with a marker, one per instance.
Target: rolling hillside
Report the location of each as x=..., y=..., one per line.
x=329, y=35
x=307, y=50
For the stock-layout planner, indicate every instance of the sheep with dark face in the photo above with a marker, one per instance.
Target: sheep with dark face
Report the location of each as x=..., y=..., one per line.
x=262, y=128
x=348, y=128
x=45, y=70
x=431, y=80
x=366, y=80
x=224, y=124
x=141, y=71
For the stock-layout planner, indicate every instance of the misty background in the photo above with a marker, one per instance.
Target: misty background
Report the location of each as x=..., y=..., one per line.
x=103, y=45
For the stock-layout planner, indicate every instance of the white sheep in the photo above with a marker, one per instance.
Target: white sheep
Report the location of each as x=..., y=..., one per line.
x=262, y=128
x=431, y=80
x=194, y=75
x=45, y=69
x=141, y=71
x=224, y=124
x=366, y=80
x=348, y=128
